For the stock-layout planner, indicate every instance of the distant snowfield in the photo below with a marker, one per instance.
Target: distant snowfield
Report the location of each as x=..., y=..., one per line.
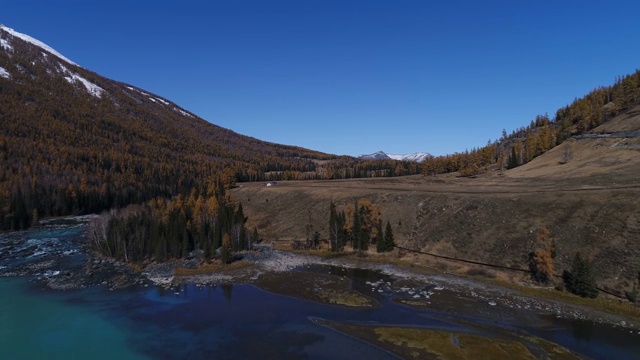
x=4, y=73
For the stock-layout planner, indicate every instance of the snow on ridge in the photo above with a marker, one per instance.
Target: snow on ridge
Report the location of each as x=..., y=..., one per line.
x=152, y=98
x=4, y=73
x=36, y=42
x=182, y=112
x=72, y=78
x=156, y=100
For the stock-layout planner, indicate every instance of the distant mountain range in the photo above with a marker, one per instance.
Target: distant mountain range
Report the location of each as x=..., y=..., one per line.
x=381, y=155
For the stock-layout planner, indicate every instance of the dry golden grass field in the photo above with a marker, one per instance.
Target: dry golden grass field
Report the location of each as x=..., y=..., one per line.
x=589, y=204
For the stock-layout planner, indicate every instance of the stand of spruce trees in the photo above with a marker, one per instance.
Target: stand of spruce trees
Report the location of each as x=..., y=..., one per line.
x=164, y=229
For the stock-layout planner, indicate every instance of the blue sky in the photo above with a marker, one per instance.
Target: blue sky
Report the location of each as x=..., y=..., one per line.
x=349, y=77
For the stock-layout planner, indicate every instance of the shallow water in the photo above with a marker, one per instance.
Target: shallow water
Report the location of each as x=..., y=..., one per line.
x=37, y=324
x=227, y=321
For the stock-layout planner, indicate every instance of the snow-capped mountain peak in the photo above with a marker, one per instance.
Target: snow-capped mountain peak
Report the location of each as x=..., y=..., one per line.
x=33, y=41
x=381, y=155
x=419, y=156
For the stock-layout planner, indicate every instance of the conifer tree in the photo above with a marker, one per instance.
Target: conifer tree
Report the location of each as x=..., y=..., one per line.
x=333, y=227
x=255, y=237
x=355, y=228
x=513, y=159
x=580, y=280
x=380, y=243
x=342, y=232
x=388, y=238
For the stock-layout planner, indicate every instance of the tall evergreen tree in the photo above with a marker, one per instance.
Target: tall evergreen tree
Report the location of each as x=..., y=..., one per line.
x=581, y=279
x=388, y=238
x=333, y=227
x=342, y=232
x=365, y=234
x=380, y=244
x=355, y=229
x=513, y=159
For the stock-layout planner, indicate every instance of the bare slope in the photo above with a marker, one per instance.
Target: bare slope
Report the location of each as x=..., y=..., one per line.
x=590, y=204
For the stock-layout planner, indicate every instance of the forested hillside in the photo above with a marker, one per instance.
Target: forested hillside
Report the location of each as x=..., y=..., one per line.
x=543, y=133
x=72, y=141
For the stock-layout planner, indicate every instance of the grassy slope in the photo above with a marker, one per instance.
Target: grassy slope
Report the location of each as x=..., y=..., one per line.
x=590, y=204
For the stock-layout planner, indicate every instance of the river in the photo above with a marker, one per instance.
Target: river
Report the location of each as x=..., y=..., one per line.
x=230, y=320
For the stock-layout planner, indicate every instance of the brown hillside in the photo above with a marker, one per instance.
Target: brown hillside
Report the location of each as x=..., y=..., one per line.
x=589, y=203
x=628, y=121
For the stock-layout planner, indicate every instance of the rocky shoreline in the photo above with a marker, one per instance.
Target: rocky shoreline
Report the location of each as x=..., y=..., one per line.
x=410, y=287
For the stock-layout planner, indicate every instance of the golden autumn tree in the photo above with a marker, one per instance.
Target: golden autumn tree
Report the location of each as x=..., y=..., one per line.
x=541, y=259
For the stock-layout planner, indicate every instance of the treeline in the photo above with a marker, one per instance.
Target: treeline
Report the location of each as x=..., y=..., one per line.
x=360, y=226
x=542, y=134
x=346, y=167
x=164, y=229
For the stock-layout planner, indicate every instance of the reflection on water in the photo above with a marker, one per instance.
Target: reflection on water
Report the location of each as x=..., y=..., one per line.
x=581, y=331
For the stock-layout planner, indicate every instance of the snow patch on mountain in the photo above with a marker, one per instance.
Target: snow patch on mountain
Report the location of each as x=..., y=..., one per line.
x=156, y=100
x=35, y=42
x=5, y=45
x=72, y=78
x=4, y=73
x=182, y=112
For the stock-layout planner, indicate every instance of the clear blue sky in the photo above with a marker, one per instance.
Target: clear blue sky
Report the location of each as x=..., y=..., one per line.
x=349, y=77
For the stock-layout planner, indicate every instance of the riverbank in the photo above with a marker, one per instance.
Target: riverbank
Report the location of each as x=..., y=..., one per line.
x=406, y=283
